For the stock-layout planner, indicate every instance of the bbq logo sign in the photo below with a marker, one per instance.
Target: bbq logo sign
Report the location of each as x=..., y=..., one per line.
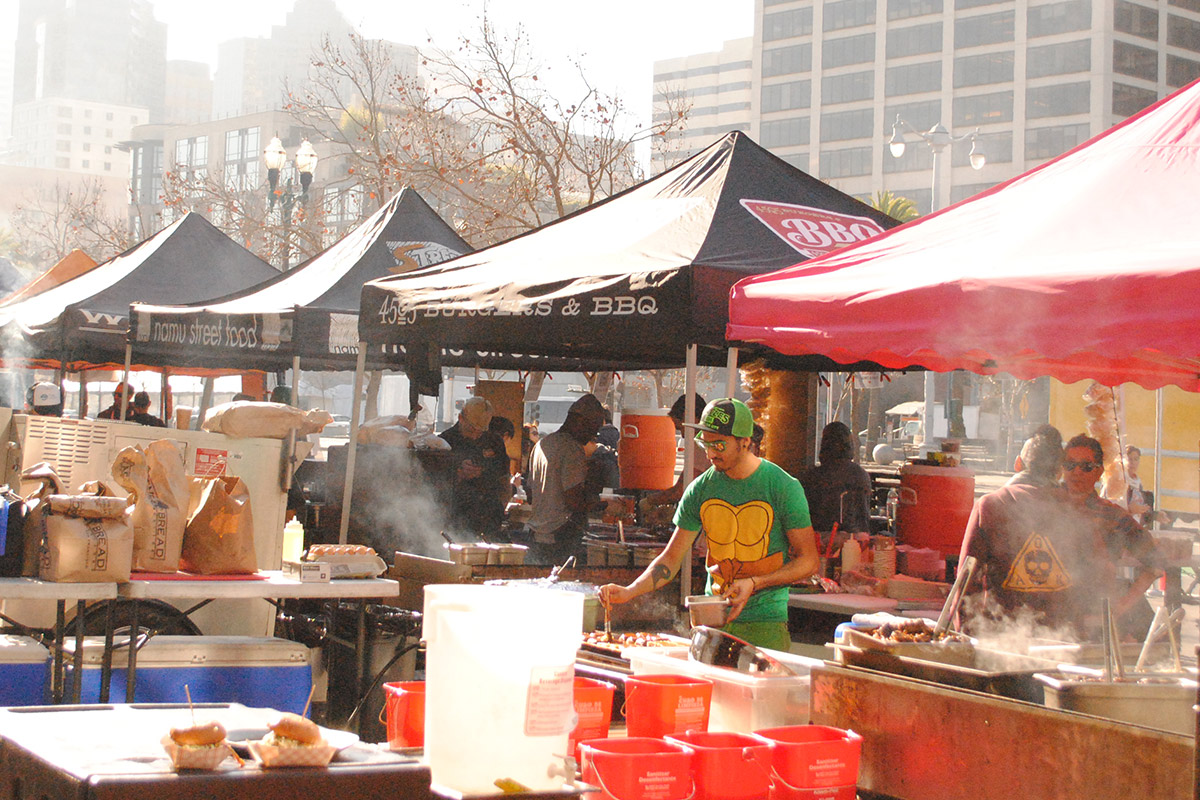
x=811, y=231
x=418, y=255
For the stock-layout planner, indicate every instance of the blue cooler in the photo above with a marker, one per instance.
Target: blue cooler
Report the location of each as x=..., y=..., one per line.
x=24, y=671
x=260, y=672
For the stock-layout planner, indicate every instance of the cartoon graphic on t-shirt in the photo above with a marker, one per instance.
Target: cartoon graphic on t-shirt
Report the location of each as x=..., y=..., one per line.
x=738, y=538
x=1037, y=568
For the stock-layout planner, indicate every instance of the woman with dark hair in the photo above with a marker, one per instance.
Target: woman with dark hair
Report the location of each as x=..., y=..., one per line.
x=838, y=490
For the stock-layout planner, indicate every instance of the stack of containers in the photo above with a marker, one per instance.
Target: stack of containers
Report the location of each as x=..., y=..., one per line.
x=700, y=732
x=741, y=701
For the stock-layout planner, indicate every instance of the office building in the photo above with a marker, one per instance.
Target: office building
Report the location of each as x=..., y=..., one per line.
x=103, y=51
x=1035, y=79
x=79, y=136
x=252, y=72
x=715, y=91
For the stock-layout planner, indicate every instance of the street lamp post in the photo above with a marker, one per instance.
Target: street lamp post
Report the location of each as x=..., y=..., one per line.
x=938, y=139
x=275, y=158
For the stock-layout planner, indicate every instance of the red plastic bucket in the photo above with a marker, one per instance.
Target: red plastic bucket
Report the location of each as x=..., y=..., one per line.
x=779, y=792
x=728, y=766
x=405, y=710
x=656, y=705
x=636, y=769
x=593, y=706
x=812, y=757
x=646, y=452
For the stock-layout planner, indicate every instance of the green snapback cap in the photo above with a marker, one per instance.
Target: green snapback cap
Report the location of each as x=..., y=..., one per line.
x=728, y=417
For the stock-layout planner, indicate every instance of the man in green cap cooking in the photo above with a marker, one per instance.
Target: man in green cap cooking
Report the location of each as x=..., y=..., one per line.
x=755, y=519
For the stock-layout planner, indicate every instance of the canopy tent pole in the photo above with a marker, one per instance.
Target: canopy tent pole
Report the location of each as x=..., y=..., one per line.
x=164, y=395
x=1158, y=445
x=927, y=413
x=83, y=394
x=296, y=381
x=731, y=372
x=373, y=383
x=125, y=381
x=206, y=399
x=351, y=454
x=689, y=458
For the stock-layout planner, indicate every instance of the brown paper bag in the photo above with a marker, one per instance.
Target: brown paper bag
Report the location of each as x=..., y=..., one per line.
x=48, y=483
x=159, y=488
x=86, y=538
x=266, y=420
x=220, y=530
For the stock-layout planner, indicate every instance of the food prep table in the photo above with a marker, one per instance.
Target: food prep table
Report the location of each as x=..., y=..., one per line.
x=114, y=752
x=61, y=593
x=273, y=588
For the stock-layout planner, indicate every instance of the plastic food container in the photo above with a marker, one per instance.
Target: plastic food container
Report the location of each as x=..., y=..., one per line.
x=740, y=701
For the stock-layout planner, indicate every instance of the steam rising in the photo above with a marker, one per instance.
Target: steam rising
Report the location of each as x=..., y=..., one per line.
x=1011, y=631
x=397, y=506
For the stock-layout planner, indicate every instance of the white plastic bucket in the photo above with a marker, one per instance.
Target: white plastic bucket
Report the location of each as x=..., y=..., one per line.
x=499, y=684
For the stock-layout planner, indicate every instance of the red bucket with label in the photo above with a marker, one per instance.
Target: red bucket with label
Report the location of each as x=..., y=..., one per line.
x=636, y=769
x=656, y=705
x=593, y=706
x=405, y=714
x=807, y=758
x=728, y=766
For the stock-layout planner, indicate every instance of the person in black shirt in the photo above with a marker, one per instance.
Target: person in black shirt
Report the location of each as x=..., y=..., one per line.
x=140, y=412
x=114, y=411
x=838, y=490
x=481, y=470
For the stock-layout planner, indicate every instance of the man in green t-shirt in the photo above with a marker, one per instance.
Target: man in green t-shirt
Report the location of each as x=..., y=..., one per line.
x=755, y=518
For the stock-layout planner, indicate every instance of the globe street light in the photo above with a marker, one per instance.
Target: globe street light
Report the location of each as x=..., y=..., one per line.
x=938, y=139
x=275, y=158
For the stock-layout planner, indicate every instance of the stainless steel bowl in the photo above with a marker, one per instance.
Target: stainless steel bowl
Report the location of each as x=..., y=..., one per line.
x=707, y=610
x=721, y=649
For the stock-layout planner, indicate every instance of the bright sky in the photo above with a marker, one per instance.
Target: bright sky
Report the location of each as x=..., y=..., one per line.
x=617, y=41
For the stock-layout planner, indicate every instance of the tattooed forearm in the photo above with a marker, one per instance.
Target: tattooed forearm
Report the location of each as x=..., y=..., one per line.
x=660, y=575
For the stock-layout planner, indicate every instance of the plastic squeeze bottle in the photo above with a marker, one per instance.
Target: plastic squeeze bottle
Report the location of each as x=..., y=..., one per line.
x=293, y=541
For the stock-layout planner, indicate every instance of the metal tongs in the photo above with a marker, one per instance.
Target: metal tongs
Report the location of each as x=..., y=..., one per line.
x=1114, y=666
x=963, y=579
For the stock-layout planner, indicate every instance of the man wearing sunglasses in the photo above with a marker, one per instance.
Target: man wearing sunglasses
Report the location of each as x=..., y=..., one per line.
x=1047, y=552
x=756, y=522
x=1116, y=533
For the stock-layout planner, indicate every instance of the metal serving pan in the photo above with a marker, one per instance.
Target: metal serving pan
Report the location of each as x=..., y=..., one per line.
x=989, y=671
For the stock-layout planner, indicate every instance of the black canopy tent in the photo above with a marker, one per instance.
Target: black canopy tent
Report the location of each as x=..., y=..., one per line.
x=84, y=321
x=309, y=313
x=633, y=279
x=641, y=279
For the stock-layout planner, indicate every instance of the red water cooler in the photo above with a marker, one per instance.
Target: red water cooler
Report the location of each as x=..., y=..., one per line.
x=935, y=505
x=646, y=453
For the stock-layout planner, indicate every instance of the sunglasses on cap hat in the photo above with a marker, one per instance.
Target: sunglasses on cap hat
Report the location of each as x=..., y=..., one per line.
x=1085, y=466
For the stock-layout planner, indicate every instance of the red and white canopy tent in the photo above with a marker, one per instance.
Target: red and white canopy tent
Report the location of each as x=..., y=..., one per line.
x=1086, y=267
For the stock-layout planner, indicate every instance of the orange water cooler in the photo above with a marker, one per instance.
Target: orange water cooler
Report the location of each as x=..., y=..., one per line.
x=646, y=454
x=935, y=505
